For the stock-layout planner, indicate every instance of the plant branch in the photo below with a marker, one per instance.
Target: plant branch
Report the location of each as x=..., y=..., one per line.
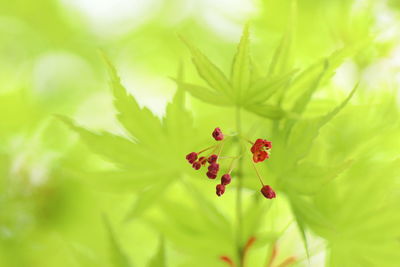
x=239, y=228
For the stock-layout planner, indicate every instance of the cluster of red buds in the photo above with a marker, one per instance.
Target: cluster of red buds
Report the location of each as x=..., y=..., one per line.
x=260, y=150
x=212, y=161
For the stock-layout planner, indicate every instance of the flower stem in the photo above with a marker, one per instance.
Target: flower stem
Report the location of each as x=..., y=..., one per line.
x=258, y=174
x=208, y=148
x=239, y=228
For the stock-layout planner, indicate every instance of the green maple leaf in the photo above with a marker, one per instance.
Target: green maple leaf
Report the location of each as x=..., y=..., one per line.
x=149, y=159
x=242, y=88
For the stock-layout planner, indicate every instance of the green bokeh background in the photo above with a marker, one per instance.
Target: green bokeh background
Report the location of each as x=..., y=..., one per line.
x=64, y=199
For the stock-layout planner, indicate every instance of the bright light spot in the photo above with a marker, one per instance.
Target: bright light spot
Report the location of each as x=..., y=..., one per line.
x=226, y=17
x=114, y=17
x=59, y=71
x=346, y=76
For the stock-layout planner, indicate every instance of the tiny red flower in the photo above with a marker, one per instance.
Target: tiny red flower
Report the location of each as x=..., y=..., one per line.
x=268, y=192
x=191, y=157
x=214, y=167
x=220, y=189
x=260, y=156
x=267, y=144
x=213, y=158
x=203, y=160
x=226, y=179
x=196, y=165
x=228, y=260
x=217, y=134
x=211, y=175
x=257, y=146
x=260, y=150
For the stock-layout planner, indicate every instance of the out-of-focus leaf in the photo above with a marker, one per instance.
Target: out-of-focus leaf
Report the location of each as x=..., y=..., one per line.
x=141, y=123
x=125, y=181
x=307, y=215
x=267, y=111
x=325, y=119
x=303, y=86
x=215, y=78
x=255, y=72
x=159, y=259
x=302, y=228
x=308, y=178
x=84, y=256
x=281, y=61
x=265, y=238
x=305, y=131
x=253, y=216
x=115, y=148
x=147, y=198
x=209, y=211
x=192, y=236
x=305, y=98
x=118, y=256
x=178, y=122
x=241, y=67
x=206, y=95
x=367, y=221
x=262, y=89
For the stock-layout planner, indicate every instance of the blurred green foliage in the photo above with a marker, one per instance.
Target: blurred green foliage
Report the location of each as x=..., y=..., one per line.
x=93, y=174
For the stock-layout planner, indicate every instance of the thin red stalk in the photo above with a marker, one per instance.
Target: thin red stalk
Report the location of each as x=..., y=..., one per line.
x=220, y=150
x=272, y=258
x=246, y=248
x=227, y=260
x=206, y=149
x=231, y=166
x=288, y=261
x=258, y=174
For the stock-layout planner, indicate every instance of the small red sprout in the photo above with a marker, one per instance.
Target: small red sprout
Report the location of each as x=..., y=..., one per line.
x=214, y=167
x=211, y=175
x=260, y=150
x=191, y=157
x=220, y=189
x=217, y=134
x=268, y=192
x=196, y=165
x=226, y=179
x=260, y=156
x=213, y=158
x=203, y=160
x=228, y=260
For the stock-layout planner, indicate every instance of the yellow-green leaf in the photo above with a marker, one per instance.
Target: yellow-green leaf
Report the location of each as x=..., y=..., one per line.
x=206, y=95
x=214, y=77
x=241, y=67
x=141, y=123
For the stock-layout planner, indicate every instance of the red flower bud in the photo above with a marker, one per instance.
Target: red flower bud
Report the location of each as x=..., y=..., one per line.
x=217, y=134
x=260, y=156
x=214, y=167
x=228, y=260
x=220, y=190
x=203, y=160
x=213, y=158
x=196, y=165
x=226, y=179
x=257, y=146
x=191, y=157
x=260, y=150
x=267, y=144
x=211, y=175
x=267, y=191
